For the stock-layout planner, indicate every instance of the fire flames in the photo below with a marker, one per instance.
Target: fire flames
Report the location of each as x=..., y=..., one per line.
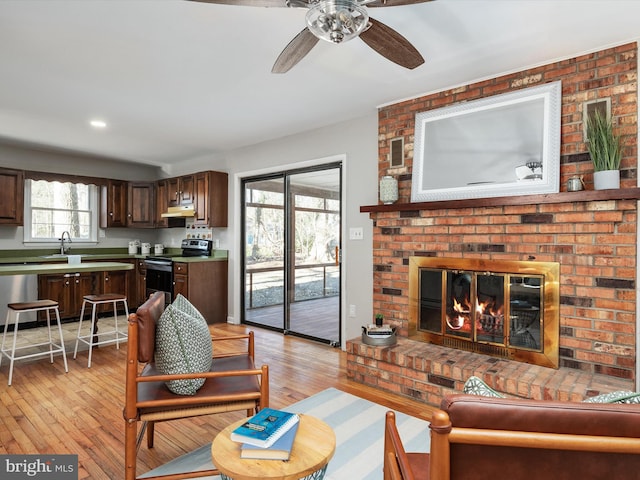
x=490, y=316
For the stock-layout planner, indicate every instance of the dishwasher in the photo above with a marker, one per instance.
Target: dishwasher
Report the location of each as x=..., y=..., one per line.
x=18, y=288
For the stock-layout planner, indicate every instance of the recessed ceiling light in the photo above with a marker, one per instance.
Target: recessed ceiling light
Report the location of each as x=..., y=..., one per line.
x=98, y=124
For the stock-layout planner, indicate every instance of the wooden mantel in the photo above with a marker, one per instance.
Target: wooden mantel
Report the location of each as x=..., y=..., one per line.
x=563, y=197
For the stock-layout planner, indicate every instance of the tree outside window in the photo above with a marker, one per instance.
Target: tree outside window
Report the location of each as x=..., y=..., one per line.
x=57, y=207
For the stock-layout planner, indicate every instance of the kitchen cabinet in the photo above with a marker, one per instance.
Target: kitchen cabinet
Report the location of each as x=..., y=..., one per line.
x=181, y=279
x=68, y=289
x=124, y=204
x=120, y=281
x=11, y=197
x=162, y=203
x=204, y=284
x=141, y=205
x=210, y=199
x=140, y=285
x=117, y=282
x=180, y=190
x=113, y=204
x=207, y=191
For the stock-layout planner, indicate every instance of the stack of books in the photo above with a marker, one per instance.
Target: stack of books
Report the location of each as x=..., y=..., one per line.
x=269, y=434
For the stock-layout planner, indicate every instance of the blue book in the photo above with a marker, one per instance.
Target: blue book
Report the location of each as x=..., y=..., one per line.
x=280, y=450
x=265, y=427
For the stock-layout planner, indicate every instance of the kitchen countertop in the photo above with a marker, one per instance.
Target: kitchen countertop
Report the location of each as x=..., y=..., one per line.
x=48, y=268
x=34, y=257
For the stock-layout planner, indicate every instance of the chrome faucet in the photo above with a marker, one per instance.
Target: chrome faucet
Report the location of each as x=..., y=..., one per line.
x=63, y=249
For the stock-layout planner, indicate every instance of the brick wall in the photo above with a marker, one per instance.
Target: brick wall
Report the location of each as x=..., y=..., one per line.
x=594, y=242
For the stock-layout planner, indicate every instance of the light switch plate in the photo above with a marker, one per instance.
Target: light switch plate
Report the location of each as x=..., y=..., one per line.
x=356, y=233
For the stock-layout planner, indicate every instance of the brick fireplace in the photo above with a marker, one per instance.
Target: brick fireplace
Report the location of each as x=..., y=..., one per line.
x=591, y=235
x=506, y=309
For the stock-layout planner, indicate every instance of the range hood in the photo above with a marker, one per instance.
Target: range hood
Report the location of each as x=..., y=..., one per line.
x=181, y=211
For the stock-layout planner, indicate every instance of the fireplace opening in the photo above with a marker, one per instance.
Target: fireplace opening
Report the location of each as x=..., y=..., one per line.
x=507, y=309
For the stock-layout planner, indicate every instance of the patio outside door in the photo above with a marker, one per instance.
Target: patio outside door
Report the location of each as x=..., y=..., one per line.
x=292, y=252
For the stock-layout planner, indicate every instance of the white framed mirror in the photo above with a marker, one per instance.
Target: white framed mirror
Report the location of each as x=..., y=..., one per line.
x=504, y=145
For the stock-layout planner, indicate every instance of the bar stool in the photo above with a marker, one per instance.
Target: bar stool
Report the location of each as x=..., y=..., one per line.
x=13, y=312
x=92, y=338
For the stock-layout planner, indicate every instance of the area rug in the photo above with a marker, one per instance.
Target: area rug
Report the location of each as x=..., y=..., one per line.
x=359, y=428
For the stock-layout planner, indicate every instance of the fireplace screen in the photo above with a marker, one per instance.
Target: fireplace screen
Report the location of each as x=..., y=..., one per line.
x=509, y=311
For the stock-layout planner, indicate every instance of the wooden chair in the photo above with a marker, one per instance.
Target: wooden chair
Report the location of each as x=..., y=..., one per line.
x=234, y=383
x=398, y=464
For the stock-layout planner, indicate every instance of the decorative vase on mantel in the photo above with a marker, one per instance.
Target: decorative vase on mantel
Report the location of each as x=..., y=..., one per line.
x=606, y=179
x=388, y=190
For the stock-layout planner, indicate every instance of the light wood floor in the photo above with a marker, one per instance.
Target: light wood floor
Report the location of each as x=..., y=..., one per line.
x=80, y=412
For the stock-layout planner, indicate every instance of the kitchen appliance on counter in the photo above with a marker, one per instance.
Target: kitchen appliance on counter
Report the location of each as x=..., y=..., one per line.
x=160, y=268
x=133, y=247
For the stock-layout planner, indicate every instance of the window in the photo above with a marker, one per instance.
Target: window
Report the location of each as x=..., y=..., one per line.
x=52, y=208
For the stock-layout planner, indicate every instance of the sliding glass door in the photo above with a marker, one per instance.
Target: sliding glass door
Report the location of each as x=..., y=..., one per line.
x=292, y=236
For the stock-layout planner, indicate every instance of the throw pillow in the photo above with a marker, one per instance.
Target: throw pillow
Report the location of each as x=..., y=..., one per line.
x=183, y=345
x=475, y=386
x=621, y=396
x=184, y=305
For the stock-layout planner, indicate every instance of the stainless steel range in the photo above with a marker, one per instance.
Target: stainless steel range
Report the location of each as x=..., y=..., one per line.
x=160, y=268
x=192, y=247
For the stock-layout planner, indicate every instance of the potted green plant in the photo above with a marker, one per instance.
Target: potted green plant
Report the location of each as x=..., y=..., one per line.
x=605, y=150
x=379, y=319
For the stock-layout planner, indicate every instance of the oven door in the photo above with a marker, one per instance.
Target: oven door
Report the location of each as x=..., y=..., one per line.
x=159, y=278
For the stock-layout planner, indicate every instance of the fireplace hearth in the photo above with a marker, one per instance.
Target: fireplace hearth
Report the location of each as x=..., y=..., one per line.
x=506, y=309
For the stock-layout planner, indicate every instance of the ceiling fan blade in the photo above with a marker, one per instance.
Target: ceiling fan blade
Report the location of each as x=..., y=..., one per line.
x=391, y=45
x=248, y=3
x=295, y=51
x=394, y=3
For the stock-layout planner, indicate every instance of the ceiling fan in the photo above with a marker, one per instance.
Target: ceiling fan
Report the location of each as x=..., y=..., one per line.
x=337, y=21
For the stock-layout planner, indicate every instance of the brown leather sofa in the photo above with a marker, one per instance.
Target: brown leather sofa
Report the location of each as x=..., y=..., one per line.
x=481, y=438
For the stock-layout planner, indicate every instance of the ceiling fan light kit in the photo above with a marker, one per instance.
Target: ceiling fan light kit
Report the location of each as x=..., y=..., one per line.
x=337, y=21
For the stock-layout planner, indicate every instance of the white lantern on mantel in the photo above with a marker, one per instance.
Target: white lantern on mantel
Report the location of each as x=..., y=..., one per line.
x=388, y=190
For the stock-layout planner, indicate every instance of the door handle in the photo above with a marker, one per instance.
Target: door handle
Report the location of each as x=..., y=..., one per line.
x=337, y=256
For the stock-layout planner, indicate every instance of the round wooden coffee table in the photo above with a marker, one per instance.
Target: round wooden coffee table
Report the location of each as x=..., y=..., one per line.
x=312, y=449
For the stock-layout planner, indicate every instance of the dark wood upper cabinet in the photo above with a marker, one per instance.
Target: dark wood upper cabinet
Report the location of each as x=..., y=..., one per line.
x=141, y=205
x=135, y=204
x=113, y=204
x=162, y=202
x=11, y=197
x=180, y=190
x=207, y=191
x=210, y=202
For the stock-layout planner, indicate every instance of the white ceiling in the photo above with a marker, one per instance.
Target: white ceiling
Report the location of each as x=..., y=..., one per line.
x=179, y=80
